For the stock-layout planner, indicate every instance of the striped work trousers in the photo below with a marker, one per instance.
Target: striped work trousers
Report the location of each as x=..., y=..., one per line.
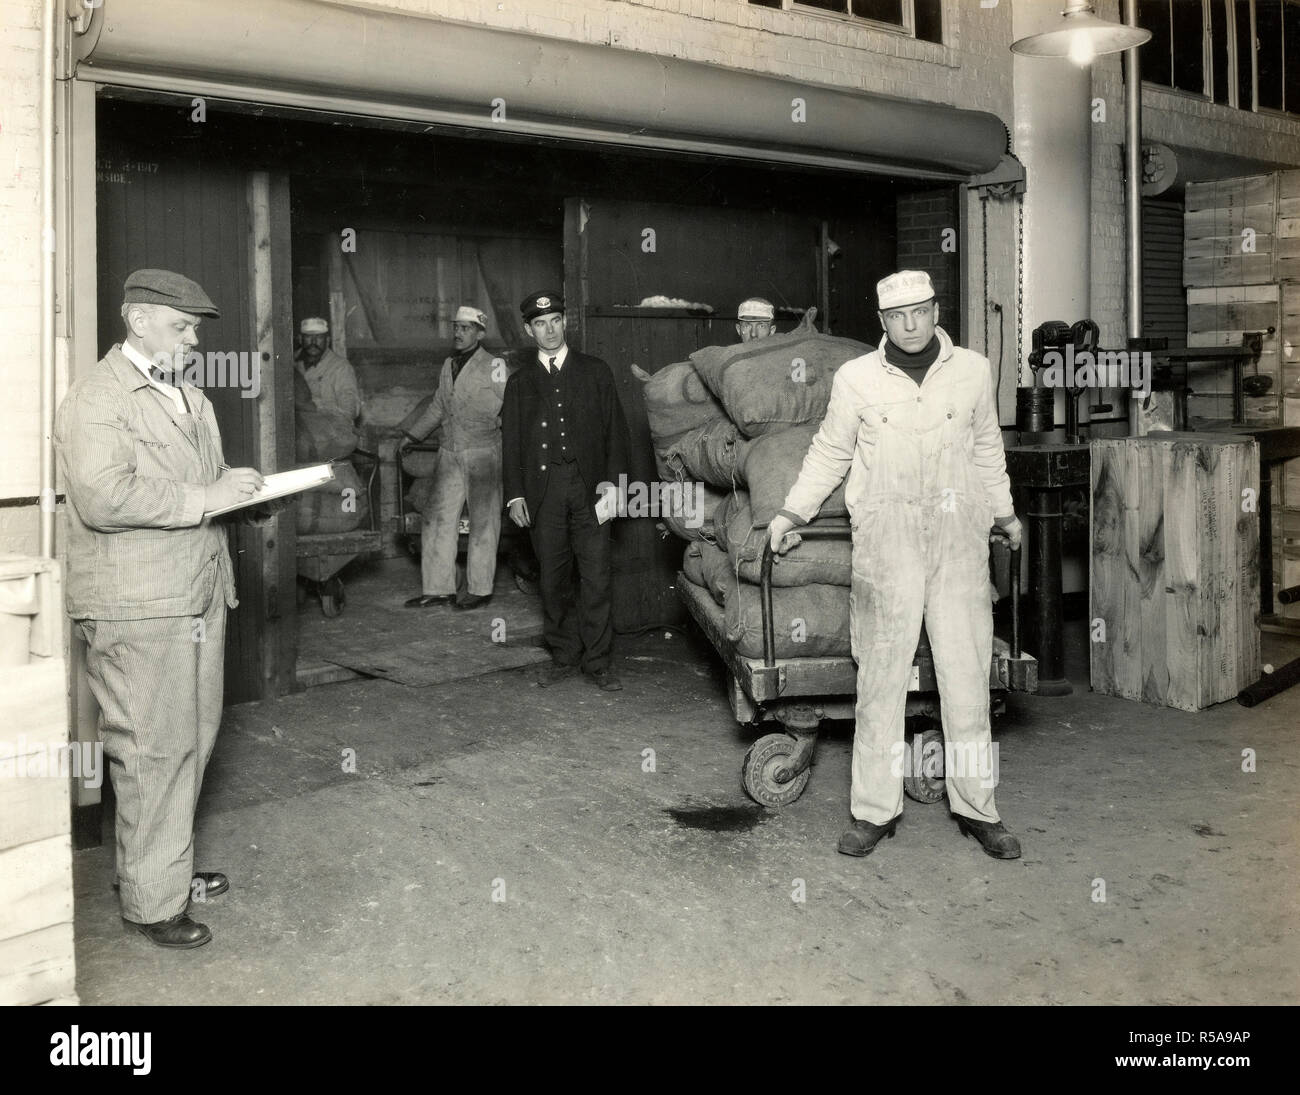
x=158, y=684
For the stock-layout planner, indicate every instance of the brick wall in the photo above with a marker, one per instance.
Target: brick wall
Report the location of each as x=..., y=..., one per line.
x=923, y=218
x=20, y=273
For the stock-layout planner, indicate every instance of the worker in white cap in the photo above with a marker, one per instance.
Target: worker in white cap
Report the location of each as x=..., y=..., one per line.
x=755, y=318
x=329, y=375
x=914, y=425
x=467, y=406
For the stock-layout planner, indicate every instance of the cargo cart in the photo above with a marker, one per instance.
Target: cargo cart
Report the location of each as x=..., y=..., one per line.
x=799, y=692
x=321, y=555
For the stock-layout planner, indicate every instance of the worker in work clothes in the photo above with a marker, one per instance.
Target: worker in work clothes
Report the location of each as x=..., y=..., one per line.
x=755, y=318
x=467, y=406
x=149, y=581
x=329, y=375
x=914, y=424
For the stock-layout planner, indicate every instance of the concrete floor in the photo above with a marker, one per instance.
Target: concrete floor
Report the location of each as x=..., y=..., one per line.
x=500, y=843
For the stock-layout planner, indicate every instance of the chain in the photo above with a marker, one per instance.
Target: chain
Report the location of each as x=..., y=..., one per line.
x=1020, y=281
x=984, y=239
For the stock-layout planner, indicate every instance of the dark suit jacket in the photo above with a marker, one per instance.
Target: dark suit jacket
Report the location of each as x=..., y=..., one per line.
x=601, y=442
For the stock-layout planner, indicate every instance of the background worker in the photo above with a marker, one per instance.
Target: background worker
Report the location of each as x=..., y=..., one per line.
x=467, y=405
x=564, y=433
x=329, y=375
x=149, y=581
x=755, y=318
x=914, y=424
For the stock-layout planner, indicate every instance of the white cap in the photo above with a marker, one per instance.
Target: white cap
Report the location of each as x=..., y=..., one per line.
x=314, y=326
x=466, y=314
x=904, y=288
x=756, y=308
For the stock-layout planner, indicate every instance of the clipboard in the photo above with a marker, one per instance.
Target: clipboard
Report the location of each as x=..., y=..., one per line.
x=280, y=484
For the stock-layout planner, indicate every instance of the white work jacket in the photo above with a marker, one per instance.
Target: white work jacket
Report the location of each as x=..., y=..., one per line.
x=934, y=445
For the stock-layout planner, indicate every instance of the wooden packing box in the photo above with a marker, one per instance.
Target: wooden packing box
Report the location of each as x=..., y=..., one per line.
x=1174, y=568
x=36, y=946
x=1216, y=215
x=1220, y=316
x=1287, y=237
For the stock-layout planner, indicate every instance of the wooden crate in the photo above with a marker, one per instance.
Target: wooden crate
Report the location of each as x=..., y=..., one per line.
x=1174, y=576
x=1216, y=215
x=1219, y=317
x=1287, y=237
x=36, y=950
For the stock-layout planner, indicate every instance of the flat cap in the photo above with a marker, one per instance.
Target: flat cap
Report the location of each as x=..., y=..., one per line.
x=314, y=325
x=541, y=304
x=165, y=287
x=904, y=288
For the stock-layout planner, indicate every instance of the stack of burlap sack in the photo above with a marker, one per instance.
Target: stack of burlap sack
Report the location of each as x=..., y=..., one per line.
x=340, y=505
x=732, y=427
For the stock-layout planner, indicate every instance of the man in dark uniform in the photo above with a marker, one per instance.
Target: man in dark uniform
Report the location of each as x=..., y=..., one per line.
x=563, y=433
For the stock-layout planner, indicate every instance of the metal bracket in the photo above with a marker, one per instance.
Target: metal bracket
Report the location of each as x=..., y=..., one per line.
x=1005, y=180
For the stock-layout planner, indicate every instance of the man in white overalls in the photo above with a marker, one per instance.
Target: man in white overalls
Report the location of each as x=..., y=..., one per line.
x=914, y=425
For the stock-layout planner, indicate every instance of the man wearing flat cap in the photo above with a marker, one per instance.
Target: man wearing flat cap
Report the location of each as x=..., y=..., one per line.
x=564, y=436
x=467, y=405
x=755, y=318
x=149, y=581
x=329, y=375
x=914, y=424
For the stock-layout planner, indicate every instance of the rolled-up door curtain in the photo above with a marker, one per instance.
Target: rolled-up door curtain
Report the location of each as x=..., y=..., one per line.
x=339, y=58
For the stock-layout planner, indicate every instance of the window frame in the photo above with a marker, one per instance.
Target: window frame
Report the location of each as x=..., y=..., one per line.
x=906, y=29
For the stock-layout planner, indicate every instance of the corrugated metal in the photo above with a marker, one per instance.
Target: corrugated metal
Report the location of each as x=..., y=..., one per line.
x=1164, y=300
x=332, y=57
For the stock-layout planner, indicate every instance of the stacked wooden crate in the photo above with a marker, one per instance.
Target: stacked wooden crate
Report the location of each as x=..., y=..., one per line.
x=1174, y=576
x=36, y=949
x=1241, y=266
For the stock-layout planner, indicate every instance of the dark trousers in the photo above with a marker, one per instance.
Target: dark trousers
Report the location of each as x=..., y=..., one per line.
x=565, y=533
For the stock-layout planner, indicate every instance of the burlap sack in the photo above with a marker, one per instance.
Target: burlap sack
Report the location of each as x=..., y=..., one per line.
x=714, y=452
x=340, y=505
x=676, y=402
x=813, y=562
x=777, y=382
x=682, y=520
x=809, y=621
x=707, y=565
x=772, y=465
x=323, y=436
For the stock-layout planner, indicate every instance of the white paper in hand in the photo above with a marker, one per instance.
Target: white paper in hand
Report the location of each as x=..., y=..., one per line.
x=607, y=506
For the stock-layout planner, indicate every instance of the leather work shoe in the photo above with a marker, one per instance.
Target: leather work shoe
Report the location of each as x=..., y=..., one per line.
x=472, y=600
x=605, y=681
x=178, y=932
x=863, y=836
x=214, y=884
x=425, y=600
x=992, y=835
x=554, y=673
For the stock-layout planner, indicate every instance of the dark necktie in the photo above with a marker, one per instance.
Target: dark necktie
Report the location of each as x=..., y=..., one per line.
x=551, y=367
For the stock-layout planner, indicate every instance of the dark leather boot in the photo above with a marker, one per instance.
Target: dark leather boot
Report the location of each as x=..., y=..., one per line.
x=862, y=837
x=178, y=932
x=992, y=835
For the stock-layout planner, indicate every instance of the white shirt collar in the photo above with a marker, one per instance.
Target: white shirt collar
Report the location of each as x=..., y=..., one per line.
x=136, y=358
x=561, y=355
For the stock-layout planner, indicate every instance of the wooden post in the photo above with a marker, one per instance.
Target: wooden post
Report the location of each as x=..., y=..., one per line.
x=271, y=296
